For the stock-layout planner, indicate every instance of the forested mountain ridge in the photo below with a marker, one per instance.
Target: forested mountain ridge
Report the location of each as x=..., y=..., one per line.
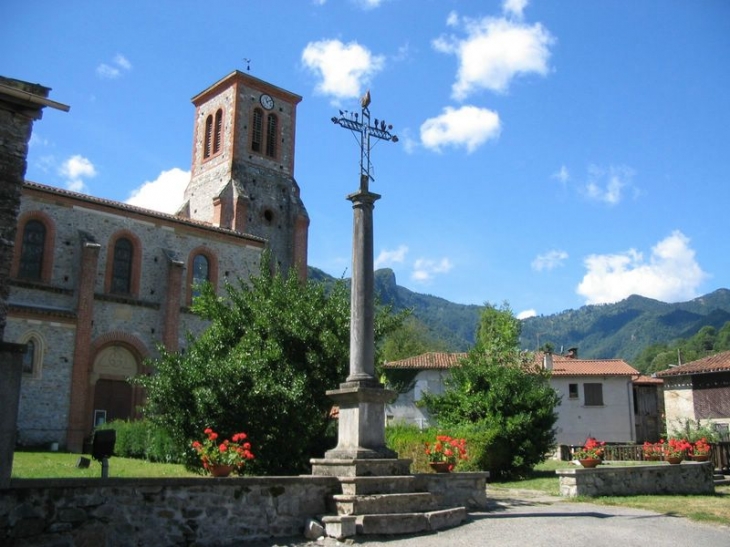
x=606, y=331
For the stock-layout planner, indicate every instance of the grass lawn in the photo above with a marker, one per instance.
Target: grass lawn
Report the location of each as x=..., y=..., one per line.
x=61, y=465
x=700, y=508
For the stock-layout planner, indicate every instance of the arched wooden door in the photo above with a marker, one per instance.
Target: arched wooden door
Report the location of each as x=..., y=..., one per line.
x=114, y=397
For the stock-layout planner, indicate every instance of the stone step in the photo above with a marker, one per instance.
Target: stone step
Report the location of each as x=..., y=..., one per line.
x=410, y=523
x=721, y=480
x=384, y=503
x=388, y=467
x=378, y=485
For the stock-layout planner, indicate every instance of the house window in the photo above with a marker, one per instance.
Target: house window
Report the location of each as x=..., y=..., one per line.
x=272, y=124
x=122, y=267
x=201, y=272
x=208, y=136
x=218, y=131
x=572, y=391
x=31, y=252
x=593, y=394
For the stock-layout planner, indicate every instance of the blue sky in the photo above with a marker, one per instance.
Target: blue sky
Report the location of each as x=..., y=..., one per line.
x=551, y=154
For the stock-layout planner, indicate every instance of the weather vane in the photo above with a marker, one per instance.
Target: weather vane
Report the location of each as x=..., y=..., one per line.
x=360, y=126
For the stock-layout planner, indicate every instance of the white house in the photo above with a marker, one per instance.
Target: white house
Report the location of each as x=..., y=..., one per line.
x=597, y=394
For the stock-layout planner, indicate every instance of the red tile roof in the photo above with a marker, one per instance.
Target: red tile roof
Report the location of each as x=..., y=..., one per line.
x=720, y=362
x=565, y=366
x=648, y=380
x=427, y=361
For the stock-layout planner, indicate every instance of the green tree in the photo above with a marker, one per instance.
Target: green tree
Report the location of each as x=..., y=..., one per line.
x=273, y=347
x=500, y=399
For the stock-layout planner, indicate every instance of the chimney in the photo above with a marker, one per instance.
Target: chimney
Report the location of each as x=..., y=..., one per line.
x=547, y=361
x=572, y=353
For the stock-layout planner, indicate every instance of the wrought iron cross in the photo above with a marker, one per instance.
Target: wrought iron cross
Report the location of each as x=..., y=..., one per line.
x=363, y=130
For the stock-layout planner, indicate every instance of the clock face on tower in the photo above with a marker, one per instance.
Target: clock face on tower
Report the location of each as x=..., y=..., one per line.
x=266, y=101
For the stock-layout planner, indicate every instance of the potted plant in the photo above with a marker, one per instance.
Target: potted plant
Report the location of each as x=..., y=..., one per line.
x=700, y=451
x=653, y=451
x=675, y=450
x=221, y=457
x=445, y=453
x=591, y=454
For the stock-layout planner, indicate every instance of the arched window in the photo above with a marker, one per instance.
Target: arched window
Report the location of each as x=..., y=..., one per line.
x=272, y=124
x=257, y=134
x=32, y=249
x=218, y=131
x=29, y=357
x=201, y=272
x=122, y=267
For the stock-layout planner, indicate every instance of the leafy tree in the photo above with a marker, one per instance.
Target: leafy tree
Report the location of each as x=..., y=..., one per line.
x=500, y=399
x=273, y=347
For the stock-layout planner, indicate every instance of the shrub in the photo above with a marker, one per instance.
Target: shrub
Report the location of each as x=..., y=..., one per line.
x=143, y=440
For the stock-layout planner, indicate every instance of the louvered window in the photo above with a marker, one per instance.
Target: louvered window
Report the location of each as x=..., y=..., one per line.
x=271, y=132
x=218, y=131
x=593, y=394
x=258, y=130
x=31, y=253
x=208, y=136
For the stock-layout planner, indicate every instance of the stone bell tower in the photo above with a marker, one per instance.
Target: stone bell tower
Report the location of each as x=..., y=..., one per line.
x=242, y=175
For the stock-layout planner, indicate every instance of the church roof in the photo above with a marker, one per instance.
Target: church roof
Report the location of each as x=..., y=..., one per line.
x=720, y=362
x=130, y=210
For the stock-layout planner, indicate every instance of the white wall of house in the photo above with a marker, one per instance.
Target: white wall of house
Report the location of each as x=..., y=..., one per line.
x=405, y=410
x=612, y=421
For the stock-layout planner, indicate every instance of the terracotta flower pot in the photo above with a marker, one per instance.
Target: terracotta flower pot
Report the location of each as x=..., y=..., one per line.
x=701, y=458
x=440, y=467
x=589, y=462
x=221, y=470
x=673, y=460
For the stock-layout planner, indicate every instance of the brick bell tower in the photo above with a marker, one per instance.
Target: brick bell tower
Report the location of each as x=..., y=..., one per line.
x=242, y=175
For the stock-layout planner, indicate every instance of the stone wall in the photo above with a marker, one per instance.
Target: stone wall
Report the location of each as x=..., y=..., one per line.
x=160, y=512
x=686, y=478
x=456, y=489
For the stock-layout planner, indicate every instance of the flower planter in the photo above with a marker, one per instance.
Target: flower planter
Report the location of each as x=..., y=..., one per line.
x=220, y=470
x=440, y=467
x=589, y=462
x=701, y=458
x=673, y=460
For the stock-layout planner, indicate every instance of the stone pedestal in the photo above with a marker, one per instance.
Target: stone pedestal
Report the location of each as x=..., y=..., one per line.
x=11, y=372
x=361, y=433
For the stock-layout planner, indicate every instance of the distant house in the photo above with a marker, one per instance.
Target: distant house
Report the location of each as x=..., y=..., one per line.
x=597, y=394
x=699, y=390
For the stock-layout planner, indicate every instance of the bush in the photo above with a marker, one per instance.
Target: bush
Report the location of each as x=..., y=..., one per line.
x=141, y=439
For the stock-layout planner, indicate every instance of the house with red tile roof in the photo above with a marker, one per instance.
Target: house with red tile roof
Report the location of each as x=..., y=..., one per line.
x=597, y=394
x=699, y=390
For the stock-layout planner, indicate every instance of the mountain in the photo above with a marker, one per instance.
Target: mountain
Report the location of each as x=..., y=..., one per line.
x=622, y=330
x=604, y=331
x=455, y=324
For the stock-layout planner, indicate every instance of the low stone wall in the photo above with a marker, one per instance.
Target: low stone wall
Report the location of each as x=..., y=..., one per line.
x=615, y=480
x=456, y=489
x=129, y=512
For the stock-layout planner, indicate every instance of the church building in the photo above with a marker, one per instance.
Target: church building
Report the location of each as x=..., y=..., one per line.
x=97, y=285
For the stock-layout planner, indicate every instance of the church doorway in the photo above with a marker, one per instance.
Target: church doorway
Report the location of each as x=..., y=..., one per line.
x=114, y=397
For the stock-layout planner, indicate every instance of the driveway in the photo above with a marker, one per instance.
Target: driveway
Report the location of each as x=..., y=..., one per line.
x=522, y=518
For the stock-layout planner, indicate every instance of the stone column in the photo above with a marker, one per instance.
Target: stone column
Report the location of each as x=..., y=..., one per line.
x=11, y=372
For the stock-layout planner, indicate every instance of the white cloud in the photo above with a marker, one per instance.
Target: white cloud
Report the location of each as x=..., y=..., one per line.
x=164, y=194
x=550, y=260
x=494, y=52
x=369, y=4
x=671, y=274
x=525, y=314
x=424, y=269
x=74, y=170
x=452, y=20
x=386, y=257
x=607, y=184
x=515, y=8
x=343, y=69
x=114, y=70
x=562, y=174
x=468, y=126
